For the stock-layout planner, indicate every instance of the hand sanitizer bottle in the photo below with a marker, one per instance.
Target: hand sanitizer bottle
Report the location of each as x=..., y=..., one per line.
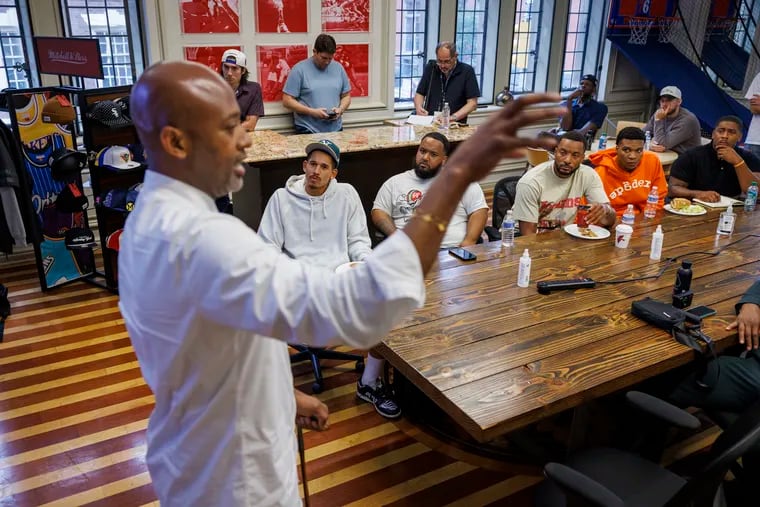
x=523, y=273
x=655, y=252
x=727, y=221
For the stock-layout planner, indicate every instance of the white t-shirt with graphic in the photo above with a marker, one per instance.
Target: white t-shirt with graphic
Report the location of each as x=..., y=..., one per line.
x=540, y=188
x=401, y=194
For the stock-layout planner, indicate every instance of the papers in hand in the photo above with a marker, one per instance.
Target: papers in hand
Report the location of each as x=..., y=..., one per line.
x=723, y=203
x=415, y=119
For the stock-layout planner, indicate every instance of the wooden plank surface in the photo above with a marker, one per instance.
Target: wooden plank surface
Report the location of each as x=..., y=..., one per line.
x=497, y=357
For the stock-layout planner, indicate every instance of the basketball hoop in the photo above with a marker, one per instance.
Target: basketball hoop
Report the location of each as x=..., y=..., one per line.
x=721, y=27
x=639, y=30
x=666, y=28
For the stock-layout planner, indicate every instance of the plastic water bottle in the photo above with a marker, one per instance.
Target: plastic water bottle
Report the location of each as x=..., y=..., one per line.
x=655, y=251
x=602, y=141
x=508, y=230
x=652, y=199
x=751, y=200
x=726, y=222
x=523, y=273
x=445, y=116
x=629, y=216
x=647, y=140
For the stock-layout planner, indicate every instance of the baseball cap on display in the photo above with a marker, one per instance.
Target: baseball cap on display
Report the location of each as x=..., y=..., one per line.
x=234, y=57
x=116, y=158
x=113, y=240
x=108, y=113
x=65, y=164
x=79, y=238
x=115, y=199
x=326, y=146
x=58, y=110
x=71, y=199
x=671, y=91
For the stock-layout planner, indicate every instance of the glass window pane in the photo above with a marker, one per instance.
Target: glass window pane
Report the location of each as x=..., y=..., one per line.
x=575, y=43
x=411, y=34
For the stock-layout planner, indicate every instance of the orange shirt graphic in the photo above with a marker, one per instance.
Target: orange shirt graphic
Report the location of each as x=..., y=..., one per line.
x=623, y=187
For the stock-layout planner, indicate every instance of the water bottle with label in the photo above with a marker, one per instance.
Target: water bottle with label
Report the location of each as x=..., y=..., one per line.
x=629, y=216
x=652, y=199
x=647, y=140
x=508, y=230
x=751, y=200
x=445, y=116
x=602, y=141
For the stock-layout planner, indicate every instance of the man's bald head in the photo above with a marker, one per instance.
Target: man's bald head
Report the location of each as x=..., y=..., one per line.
x=170, y=93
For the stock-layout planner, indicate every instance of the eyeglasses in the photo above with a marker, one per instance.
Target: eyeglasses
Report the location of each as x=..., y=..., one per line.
x=445, y=62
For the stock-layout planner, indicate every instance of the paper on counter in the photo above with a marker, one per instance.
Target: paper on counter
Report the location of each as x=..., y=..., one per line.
x=415, y=119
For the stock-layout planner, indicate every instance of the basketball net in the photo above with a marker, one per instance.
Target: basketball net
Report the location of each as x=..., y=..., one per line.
x=666, y=29
x=639, y=30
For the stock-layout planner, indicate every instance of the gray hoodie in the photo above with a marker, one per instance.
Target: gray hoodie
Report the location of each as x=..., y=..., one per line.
x=328, y=230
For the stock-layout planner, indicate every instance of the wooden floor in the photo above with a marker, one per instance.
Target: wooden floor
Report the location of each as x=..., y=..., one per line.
x=74, y=409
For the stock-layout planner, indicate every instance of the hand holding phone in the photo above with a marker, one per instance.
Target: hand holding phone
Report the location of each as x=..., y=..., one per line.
x=332, y=114
x=461, y=253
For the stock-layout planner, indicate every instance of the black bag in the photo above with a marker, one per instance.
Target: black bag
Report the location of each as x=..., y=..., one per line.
x=685, y=328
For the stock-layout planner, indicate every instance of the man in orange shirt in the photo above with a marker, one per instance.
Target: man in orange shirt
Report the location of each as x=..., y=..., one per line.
x=629, y=173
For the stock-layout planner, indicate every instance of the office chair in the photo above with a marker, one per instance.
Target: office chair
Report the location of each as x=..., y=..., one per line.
x=314, y=354
x=625, y=123
x=503, y=199
x=611, y=477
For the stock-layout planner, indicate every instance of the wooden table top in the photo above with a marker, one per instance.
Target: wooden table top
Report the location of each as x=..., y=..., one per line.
x=497, y=357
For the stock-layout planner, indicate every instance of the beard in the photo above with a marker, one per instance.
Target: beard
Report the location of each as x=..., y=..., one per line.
x=425, y=174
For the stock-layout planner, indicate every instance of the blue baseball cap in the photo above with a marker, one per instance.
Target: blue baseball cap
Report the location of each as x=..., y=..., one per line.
x=326, y=146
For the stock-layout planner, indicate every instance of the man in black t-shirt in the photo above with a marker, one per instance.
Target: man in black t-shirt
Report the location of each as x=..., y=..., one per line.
x=449, y=81
x=717, y=168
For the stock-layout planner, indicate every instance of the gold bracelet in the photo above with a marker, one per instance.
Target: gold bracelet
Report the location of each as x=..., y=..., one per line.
x=740, y=164
x=430, y=219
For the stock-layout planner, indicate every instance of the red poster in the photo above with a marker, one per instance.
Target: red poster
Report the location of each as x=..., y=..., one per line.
x=211, y=56
x=345, y=15
x=210, y=16
x=68, y=57
x=281, y=16
x=355, y=59
x=274, y=64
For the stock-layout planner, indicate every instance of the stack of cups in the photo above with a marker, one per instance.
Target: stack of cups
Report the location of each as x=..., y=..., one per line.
x=623, y=235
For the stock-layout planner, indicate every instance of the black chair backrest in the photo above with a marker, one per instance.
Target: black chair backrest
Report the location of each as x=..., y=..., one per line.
x=503, y=198
x=733, y=443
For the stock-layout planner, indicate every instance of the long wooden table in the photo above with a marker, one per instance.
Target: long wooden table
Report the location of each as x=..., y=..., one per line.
x=496, y=357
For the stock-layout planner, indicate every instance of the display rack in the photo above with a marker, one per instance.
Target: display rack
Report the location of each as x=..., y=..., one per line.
x=97, y=137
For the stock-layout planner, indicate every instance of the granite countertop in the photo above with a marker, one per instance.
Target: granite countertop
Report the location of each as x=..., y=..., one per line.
x=270, y=145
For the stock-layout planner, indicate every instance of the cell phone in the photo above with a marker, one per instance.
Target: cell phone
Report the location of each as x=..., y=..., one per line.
x=701, y=311
x=332, y=114
x=461, y=253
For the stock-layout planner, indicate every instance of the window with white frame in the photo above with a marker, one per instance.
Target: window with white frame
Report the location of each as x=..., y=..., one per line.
x=746, y=24
x=111, y=22
x=527, y=32
x=14, y=66
x=476, y=30
x=576, y=43
x=411, y=41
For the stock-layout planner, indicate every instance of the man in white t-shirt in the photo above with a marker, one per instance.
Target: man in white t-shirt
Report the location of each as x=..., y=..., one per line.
x=401, y=194
x=548, y=195
x=752, y=143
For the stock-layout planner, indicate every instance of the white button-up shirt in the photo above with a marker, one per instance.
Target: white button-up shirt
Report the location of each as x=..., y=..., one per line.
x=209, y=308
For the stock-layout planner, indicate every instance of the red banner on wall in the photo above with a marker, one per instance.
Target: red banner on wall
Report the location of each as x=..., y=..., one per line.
x=69, y=57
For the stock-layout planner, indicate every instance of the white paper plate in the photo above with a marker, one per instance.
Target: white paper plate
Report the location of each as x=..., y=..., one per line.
x=679, y=212
x=600, y=232
x=347, y=266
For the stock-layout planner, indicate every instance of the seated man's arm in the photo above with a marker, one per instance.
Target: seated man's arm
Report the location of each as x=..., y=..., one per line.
x=680, y=188
x=476, y=221
x=383, y=222
x=748, y=319
x=566, y=122
x=601, y=212
x=382, y=209
x=250, y=122
x=596, y=122
x=359, y=244
x=681, y=130
x=527, y=209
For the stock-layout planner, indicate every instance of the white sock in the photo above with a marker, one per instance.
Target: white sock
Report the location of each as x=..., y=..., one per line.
x=373, y=368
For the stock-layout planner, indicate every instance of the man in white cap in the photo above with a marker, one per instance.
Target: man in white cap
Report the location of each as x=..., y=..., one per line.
x=672, y=126
x=247, y=93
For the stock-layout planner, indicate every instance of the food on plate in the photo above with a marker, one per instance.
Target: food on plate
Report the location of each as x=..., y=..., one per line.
x=585, y=231
x=679, y=203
